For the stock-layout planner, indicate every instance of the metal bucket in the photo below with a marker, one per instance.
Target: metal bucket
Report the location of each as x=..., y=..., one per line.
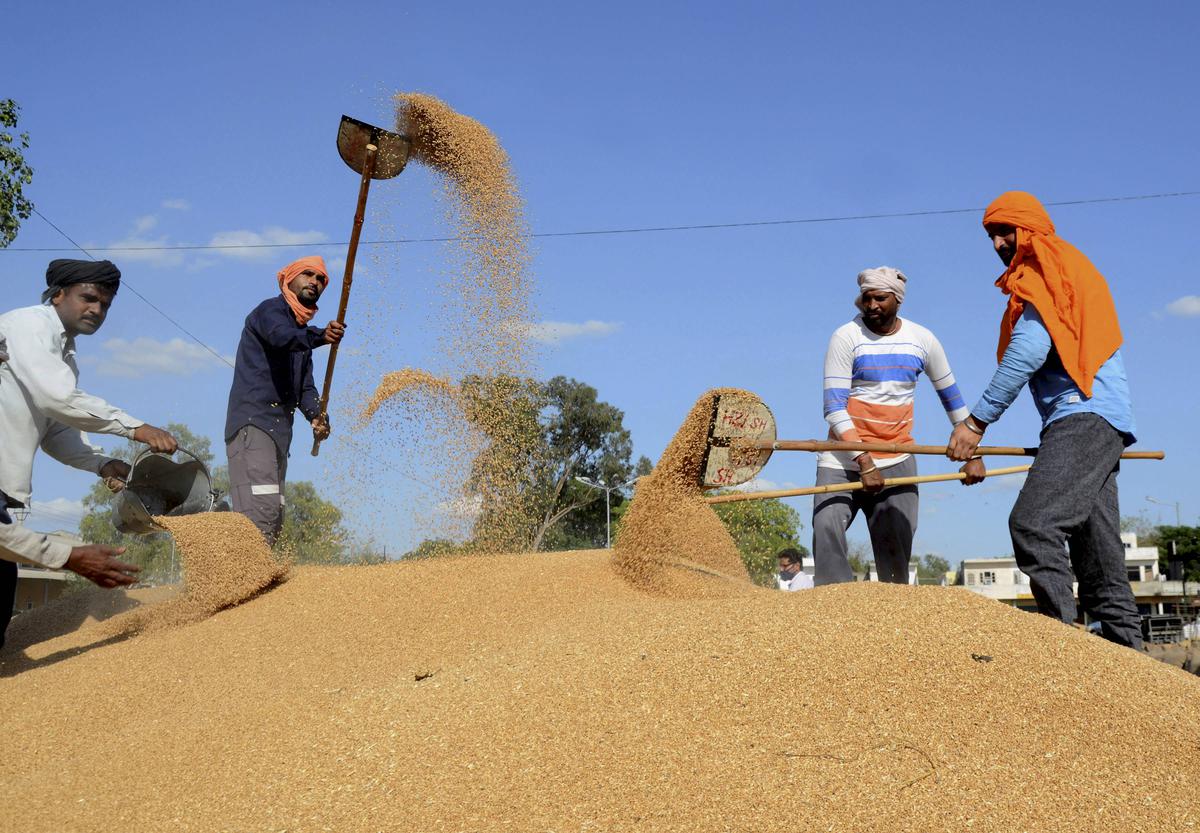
x=159, y=485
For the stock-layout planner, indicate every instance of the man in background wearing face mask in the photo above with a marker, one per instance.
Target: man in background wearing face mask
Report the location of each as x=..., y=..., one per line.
x=871, y=370
x=272, y=377
x=791, y=571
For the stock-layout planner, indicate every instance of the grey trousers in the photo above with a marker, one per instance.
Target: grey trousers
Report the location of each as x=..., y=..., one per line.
x=257, y=470
x=1067, y=517
x=891, y=520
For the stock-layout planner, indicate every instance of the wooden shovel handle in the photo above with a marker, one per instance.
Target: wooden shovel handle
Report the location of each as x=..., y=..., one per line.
x=855, y=486
x=347, y=277
x=908, y=448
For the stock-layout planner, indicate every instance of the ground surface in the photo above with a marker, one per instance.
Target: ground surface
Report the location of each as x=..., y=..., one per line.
x=542, y=693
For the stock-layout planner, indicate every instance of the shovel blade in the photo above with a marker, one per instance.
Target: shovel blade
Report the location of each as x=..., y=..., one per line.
x=353, y=138
x=737, y=419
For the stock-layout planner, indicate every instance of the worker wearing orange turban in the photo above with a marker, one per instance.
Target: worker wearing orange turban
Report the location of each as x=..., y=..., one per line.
x=305, y=309
x=272, y=379
x=1070, y=294
x=1059, y=335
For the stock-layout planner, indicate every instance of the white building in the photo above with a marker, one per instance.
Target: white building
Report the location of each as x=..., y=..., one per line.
x=37, y=586
x=1000, y=579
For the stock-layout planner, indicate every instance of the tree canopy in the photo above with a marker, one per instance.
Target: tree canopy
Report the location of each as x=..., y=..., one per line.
x=541, y=437
x=1179, y=543
x=931, y=569
x=15, y=174
x=761, y=528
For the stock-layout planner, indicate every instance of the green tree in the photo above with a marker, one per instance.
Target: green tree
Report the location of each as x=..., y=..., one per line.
x=312, y=527
x=931, y=569
x=760, y=529
x=585, y=438
x=860, y=555
x=506, y=411
x=15, y=174
x=586, y=527
x=540, y=438
x=435, y=547
x=1184, y=541
x=1141, y=525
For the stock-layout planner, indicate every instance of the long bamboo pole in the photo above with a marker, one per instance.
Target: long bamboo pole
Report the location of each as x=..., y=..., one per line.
x=906, y=448
x=855, y=486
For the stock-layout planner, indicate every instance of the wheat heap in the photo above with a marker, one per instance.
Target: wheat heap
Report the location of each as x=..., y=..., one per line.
x=671, y=542
x=225, y=562
x=543, y=692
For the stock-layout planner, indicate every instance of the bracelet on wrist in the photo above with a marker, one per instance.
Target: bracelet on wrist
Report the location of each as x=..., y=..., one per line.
x=973, y=426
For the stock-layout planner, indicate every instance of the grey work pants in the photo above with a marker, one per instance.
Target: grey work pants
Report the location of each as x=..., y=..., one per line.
x=891, y=520
x=1067, y=517
x=257, y=469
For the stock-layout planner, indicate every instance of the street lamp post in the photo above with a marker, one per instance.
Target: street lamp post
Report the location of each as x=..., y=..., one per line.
x=1178, y=520
x=608, y=490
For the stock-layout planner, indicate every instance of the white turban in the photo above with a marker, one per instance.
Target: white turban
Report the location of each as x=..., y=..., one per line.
x=881, y=277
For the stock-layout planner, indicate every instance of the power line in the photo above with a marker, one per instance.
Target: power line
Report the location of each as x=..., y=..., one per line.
x=346, y=440
x=610, y=231
x=124, y=281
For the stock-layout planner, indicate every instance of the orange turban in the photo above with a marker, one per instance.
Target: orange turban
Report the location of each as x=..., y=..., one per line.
x=1069, y=293
x=289, y=273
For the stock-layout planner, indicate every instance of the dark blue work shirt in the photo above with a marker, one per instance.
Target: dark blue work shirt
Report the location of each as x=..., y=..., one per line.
x=273, y=373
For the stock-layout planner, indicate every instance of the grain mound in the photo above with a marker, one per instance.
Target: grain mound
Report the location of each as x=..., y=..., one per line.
x=225, y=562
x=79, y=609
x=671, y=542
x=540, y=692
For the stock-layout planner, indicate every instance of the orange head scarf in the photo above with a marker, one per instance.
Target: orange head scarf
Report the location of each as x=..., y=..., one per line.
x=289, y=273
x=1068, y=292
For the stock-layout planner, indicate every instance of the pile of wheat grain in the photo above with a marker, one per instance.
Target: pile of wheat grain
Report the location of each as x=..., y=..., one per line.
x=542, y=692
x=671, y=542
x=225, y=562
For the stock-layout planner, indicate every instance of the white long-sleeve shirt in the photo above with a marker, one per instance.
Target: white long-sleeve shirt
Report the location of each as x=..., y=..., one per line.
x=28, y=547
x=41, y=405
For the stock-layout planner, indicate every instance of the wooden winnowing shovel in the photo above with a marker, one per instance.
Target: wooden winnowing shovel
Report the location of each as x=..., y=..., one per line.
x=376, y=154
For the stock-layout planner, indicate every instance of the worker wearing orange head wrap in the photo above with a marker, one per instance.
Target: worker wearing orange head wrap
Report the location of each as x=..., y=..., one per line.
x=272, y=379
x=1069, y=293
x=1059, y=335
x=314, y=265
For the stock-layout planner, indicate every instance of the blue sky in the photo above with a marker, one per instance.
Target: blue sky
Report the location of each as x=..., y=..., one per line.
x=156, y=124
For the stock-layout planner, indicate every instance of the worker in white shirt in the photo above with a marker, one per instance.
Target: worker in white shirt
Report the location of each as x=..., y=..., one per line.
x=791, y=571
x=41, y=405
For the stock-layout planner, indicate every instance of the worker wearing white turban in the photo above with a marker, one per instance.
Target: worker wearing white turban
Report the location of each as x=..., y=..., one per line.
x=883, y=278
x=871, y=370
